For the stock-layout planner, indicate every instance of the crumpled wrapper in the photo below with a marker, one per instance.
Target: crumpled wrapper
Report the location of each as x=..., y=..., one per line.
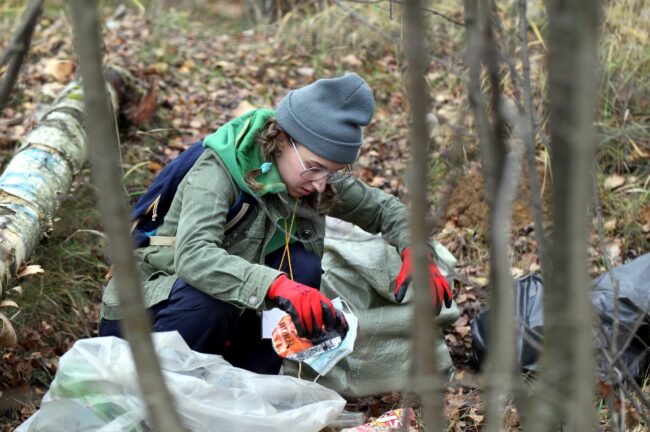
x=388, y=422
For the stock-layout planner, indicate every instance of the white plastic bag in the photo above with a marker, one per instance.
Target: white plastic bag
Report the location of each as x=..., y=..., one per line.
x=95, y=389
x=324, y=362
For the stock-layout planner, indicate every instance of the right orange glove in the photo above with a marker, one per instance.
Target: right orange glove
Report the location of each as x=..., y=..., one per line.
x=310, y=311
x=440, y=290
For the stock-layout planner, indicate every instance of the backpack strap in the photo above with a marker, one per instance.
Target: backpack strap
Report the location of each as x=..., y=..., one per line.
x=236, y=215
x=238, y=211
x=162, y=241
x=150, y=210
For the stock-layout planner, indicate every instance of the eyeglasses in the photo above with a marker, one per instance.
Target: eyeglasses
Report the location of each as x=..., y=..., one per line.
x=316, y=173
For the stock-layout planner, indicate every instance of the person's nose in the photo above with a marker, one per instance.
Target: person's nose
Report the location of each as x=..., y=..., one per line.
x=320, y=185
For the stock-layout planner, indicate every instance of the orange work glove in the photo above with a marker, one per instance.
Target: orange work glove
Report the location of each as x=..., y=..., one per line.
x=440, y=290
x=311, y=312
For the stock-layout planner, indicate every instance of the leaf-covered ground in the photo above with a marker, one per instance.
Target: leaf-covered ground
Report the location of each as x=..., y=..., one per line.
x=196, y=75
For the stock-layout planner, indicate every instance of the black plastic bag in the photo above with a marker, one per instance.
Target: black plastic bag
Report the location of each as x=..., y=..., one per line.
x=633, y=318
x=530, y=321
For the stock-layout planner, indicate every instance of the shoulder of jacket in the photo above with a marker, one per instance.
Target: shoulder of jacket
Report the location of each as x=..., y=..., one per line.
x=211, y=171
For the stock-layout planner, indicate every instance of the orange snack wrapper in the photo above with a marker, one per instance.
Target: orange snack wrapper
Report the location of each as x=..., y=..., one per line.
x=289, y=345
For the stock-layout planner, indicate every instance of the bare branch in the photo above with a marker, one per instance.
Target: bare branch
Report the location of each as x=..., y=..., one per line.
x=17, y=49
x=433, y=11
x=629, y=379
x=632, y=331
x=506, y=55
x=491, y=56
x=452, y=181
x=608, y=263
x=530, y=138
x=474, y=49
x=423, y=326
x=104, y=155
x=501, y=353
x=501, y=172
x=356, y=15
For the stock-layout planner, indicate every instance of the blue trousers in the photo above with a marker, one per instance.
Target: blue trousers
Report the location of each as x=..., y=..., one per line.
x=212, y=326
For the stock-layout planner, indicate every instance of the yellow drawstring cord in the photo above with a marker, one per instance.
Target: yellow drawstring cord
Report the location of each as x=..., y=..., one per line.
x=287, y=253
x=287, y=237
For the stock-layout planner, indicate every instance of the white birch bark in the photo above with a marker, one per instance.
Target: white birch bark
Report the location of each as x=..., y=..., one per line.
x=38, y=178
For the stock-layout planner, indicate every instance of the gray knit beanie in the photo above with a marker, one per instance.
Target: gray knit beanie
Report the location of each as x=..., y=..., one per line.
x=326, y=116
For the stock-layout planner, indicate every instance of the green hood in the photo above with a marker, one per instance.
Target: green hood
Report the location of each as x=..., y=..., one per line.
x=236, y=144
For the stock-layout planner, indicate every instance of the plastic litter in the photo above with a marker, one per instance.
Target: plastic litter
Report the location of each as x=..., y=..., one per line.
x=287, y=344
x=389, y=421
x=324, y=362
x=361, y=268
x=348, y=419
x=633, y=319
x=321, y=354
x=530, y=321
x=95, y=389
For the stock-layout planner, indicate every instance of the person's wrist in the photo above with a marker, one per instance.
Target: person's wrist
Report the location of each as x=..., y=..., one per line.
x=272, y=293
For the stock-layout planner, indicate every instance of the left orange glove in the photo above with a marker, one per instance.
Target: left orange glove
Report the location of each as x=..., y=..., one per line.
x=440, y=290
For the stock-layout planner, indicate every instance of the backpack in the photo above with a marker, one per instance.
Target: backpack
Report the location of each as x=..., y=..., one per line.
x=150, y=210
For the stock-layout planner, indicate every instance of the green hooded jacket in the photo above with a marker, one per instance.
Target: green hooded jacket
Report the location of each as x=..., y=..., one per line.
x=230, y=267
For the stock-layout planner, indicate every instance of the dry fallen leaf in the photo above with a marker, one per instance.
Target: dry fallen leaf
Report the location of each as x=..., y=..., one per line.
x=29, y=270
x=476, y=417
x=243, y=107
x=610, y=225
x=645, y=215
x=226, y=66
x=159, y=68
x=154, y=167
x=632, y=417
x=8, y=303
x=7, y=333
x=60, y=70
x=306, y=71
x=187, y=67
x=479, y=280
x=614, y=250
x=351, y=60
x=511, y=418
x=614, y=181
x=46, y=328
x=603, y=390
x=146, y=106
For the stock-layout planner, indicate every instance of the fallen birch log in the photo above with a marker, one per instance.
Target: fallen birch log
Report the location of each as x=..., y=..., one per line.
x=38, y=178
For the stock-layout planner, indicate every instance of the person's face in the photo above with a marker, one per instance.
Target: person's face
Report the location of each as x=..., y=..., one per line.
x=294, y=160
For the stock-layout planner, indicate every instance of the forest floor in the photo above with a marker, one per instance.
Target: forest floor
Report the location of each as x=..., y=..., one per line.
x=198, y=73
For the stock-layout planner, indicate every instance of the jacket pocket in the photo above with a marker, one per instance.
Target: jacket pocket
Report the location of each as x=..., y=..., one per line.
x=158, y=259
x=245, y=242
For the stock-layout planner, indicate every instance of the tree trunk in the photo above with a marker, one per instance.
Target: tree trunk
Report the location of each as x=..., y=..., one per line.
x=38, y=178
x=425, y=379
x=106, y=174
x=565, y=390
x=501, y=170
